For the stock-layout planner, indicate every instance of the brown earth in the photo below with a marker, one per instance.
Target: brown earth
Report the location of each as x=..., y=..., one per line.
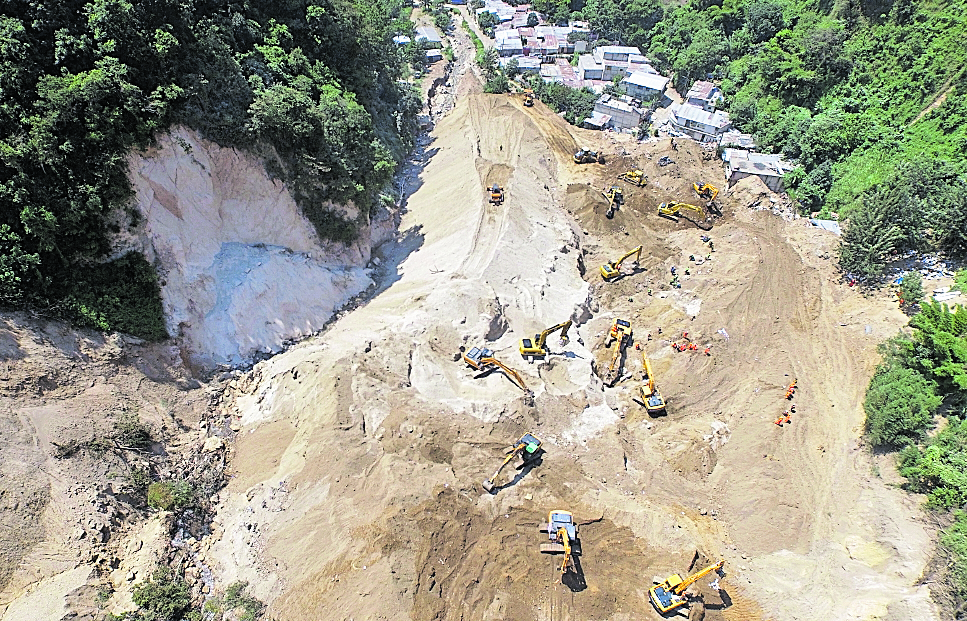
x=380, y=438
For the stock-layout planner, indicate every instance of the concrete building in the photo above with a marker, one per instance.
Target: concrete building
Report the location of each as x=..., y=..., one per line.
x=608, y=61
x=734, y=138
x=644, y=85
x=434, y=55
x=704, y=95
x=622, y=112
x=699, y=124
x=508, y=43
x=768, y=167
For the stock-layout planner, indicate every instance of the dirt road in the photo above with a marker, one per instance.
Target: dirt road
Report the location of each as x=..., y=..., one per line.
x=356, y=478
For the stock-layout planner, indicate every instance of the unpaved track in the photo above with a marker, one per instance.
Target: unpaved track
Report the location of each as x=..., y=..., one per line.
x=356, y=479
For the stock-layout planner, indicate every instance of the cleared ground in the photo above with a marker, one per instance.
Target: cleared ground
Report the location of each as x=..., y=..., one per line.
x=356, y=478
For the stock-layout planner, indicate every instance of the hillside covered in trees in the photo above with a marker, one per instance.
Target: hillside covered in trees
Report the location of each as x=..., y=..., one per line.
x=83, y=83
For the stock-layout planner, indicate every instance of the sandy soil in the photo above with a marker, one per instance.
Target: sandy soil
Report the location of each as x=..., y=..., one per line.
x=355, y=490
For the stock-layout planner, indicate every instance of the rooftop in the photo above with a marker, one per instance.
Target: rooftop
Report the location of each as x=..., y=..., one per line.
x=647, y=80
x=687, y=112
x=700, y=90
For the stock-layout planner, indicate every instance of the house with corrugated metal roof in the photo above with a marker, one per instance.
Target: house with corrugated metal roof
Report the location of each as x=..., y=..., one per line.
x=644, y=84
x=768, y=167
x=704, y=95
x=699, y=124
x=428, y=37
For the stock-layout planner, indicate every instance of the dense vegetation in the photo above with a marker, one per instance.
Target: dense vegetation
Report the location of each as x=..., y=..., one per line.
x=82, y=83
x=923, y=378
x=870, y=97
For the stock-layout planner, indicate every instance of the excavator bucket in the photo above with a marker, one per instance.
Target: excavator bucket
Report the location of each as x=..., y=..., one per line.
x=488, y=485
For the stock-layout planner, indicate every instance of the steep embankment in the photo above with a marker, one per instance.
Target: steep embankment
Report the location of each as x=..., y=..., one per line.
x=242, y=270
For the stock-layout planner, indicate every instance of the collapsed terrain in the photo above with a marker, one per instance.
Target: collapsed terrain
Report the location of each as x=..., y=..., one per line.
x=354, y=475
x=355, y=484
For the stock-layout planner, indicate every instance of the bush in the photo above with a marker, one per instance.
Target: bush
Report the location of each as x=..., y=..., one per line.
x=899, y=406
x=940, y=468
x=170, y=495
x=911, y=289
x=164, y=597
x=954, y=539
x=130, y=432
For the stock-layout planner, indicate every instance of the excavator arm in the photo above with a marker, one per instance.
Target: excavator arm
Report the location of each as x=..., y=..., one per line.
x=563, y=327
x=612, y=269
x=678, y=590
x=652, y=399
x=510, y=373
x=566, y=542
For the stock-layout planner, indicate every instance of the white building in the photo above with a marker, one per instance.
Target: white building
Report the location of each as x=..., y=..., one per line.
x=617, y=112
x=643, y=85
x=768, y=167
x=699, y=124
x=608, y=61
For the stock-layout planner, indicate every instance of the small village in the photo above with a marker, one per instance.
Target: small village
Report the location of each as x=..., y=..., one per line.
x=633, y=97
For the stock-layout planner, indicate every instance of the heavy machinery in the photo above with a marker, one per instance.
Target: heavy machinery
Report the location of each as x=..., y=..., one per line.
x=634, y=177
x=620, y=334
x=706, y=191
x=585, y=156
x=535, y=348
x=650, y=396
x=482, y=359
x=496, y=194
x=615, y=199
x=673, y=211
x=670, y=594
x=527, y=447
x=562, y=534
x=612, y=269
x=528, y=97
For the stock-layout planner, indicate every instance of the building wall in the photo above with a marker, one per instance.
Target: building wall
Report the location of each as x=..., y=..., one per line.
x=773, y=183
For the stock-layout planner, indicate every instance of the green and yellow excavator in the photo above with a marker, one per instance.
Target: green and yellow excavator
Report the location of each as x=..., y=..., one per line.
x=535, y=348
x=482, y=359
x=670, y=594
x=562, y=534
x=612, y=269
x=528, y=447
x=706, y=190
x=654, y=402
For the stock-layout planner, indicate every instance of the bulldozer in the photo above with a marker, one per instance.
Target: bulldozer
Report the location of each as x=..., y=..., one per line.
x=670, y=594
x=650, y=396
x=706, y=191
x=634, y=177
x=615, y=199
x=585, y=156
x=620, y=334
x=562, y=537
x=528, y=97
x=673, y=211
x=482, y=359
x=528, y=447
x=496, y=194
x=612, y=269
x=535, y=348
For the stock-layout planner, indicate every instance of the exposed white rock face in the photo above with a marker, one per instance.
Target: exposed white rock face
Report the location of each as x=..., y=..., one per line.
x=241, y=269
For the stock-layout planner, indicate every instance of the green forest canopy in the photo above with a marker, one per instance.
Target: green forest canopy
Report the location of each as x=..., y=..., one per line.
x=82, y=83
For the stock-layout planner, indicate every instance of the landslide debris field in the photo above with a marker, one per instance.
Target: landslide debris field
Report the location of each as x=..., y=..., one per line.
x=355, y=481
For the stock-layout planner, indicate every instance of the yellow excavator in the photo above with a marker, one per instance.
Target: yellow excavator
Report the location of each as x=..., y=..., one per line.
x=612, y=269
x=482, y=359
x=673, y=211
x=562, y=533
x=706, y=191
x=634, y=177
x=670, y=594
x=528, y=97
x=654, y=402
x=496, y=194
x=620, y=334
x=529, y=449
x=615, y=199
x=535, y=348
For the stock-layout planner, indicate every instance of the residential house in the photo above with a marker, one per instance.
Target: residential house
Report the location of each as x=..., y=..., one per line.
x=608, y=61
x=508, y=43
x=434, y=55
x=704, y=95
x=698, y=123
x=734, y=138
x=622, y=112
x=768, y=167
x=645, y=85
x=428, y=37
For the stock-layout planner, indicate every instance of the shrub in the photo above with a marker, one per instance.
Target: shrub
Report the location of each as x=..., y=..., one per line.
x=911, y=289
x=130, y=432
x=164, y=597
x=899, y=406
x=954, y=539
x=169, y=495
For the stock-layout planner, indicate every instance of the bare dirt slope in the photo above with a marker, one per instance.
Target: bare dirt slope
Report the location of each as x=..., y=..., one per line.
x=355, y=487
